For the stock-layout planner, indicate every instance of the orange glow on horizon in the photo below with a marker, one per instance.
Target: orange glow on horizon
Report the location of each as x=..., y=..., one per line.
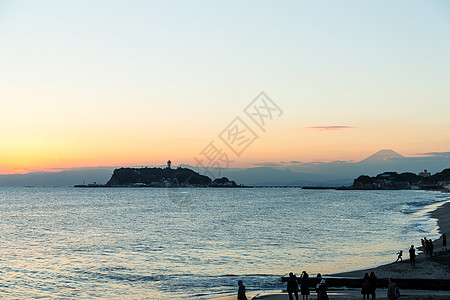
x=57, y=152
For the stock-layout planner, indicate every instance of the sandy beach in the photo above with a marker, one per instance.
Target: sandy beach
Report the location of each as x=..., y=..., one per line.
x=436, y=267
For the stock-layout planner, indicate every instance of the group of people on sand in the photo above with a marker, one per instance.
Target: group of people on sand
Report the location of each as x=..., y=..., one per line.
x=294, y=281
x=370, y=285
x=368, y=288
x=292, y=287
x=369, y=281
x=428, y=248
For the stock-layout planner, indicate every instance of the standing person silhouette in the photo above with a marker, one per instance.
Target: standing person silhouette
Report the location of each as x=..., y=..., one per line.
x=393, y=293
x=412, y=256
x=241, y=291
x=373, y=284
x=321, y=288
x=292, y=286
x=444, y=242
x=431, y=247
x=304, y=285
x=365, y=291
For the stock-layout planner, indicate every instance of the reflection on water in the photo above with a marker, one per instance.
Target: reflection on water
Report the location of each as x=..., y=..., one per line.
x=159, y=243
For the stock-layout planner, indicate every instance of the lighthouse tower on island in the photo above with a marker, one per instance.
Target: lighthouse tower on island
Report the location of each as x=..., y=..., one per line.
x=169, y=164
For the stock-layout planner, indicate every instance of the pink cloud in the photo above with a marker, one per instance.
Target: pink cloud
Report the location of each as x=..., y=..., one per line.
x=333, y=127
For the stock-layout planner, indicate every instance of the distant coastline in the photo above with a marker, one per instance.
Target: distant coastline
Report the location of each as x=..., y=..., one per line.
x=404, y=181
x=184, y=177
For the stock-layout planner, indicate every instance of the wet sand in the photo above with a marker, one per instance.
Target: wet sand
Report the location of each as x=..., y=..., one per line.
x=436, y=267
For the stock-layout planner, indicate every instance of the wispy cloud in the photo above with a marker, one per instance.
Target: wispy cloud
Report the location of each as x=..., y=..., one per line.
x=292, y=162
x=285, y=163
x=296, y=163
x=268, y=164
x=331, y=127
x=279, y=164
x=436, y=154
x=313, y=163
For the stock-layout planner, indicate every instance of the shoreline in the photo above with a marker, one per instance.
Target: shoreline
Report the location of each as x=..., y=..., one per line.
x=432, y=268
x=440, y=261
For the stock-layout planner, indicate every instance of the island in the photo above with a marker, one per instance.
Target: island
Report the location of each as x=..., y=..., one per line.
x=162, y=177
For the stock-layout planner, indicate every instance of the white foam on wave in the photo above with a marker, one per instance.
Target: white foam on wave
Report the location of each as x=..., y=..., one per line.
x=426, y=223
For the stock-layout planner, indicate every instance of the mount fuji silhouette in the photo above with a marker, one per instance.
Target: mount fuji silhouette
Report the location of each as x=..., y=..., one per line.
x=383, y=155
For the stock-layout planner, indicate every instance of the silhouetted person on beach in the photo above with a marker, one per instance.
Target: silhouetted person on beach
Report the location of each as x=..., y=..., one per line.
x=430, y=247
x=412, y=256
x=423, y=245
x=321, y=288
x=393, y=293
x=373, y=284
x=444, y=242
x=400, y=254
x=365, y=291
x=304, y=285
x=427, y=246
x=292, y=286
x=241, y=291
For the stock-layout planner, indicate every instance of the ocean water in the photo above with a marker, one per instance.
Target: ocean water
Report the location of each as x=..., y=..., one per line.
x=142, y=243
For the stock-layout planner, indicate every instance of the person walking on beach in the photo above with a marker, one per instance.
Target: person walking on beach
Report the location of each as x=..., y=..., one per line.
x=430, y=247
x=412, y=256
x=393, y=293
x=292, y=286
x=241, y=291
x=365, y=291
x=321, y=288
x=373, y=284
x=400, y=254
x=444, y=242
x=304, y=285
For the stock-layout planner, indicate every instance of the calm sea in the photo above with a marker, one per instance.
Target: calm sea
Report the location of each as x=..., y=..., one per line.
x=143, y=243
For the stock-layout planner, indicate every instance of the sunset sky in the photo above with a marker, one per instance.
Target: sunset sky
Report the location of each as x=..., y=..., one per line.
x=116, y=83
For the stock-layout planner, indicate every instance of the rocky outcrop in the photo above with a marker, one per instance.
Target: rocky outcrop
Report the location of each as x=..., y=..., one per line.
x=223, y=182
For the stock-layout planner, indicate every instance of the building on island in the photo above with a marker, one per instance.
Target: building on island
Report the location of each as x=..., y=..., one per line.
x=425, y=173
x=169, y=164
